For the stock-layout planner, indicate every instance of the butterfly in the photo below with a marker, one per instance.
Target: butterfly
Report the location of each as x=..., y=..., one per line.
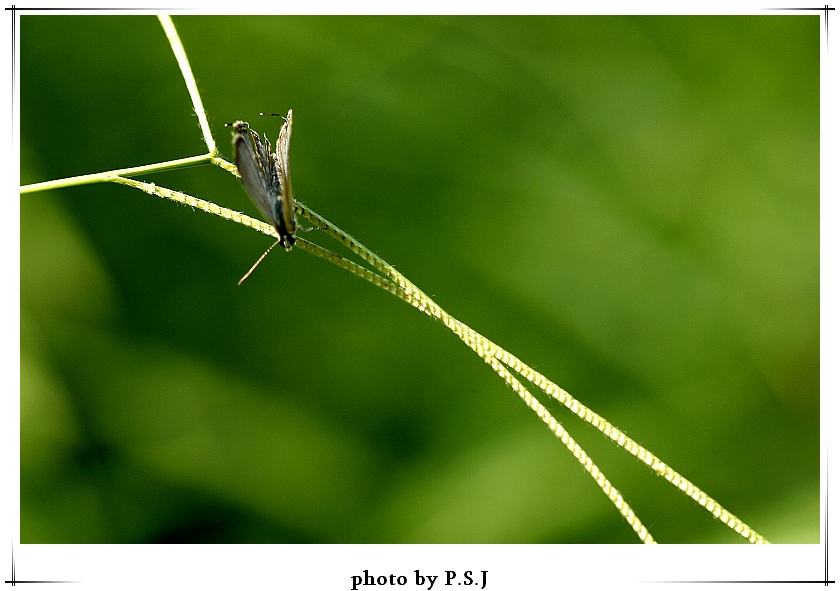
x=265, y=177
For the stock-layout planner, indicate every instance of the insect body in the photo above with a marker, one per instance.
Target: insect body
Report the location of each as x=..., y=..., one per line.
x=265, y=176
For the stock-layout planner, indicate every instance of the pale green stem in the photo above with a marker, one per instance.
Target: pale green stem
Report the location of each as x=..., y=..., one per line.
x=426, y=305
x=189, y=79
x=484, y=347
x=109, y=176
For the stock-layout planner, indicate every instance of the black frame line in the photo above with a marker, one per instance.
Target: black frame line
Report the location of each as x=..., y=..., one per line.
x=94, y=9
x=14, y=581
x=745, y=582
x=825, y=580
x=824, y=9
x=14, y=10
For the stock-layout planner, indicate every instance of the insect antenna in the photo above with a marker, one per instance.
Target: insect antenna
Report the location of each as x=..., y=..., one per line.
x=259, y=260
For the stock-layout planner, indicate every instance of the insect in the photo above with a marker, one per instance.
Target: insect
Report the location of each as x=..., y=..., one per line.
x=265, y=176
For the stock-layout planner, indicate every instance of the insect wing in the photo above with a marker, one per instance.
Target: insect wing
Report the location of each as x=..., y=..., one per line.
x=287, y=205
x=257, y=168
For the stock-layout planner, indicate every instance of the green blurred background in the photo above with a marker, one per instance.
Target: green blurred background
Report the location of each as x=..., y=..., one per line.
x=629, y=204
